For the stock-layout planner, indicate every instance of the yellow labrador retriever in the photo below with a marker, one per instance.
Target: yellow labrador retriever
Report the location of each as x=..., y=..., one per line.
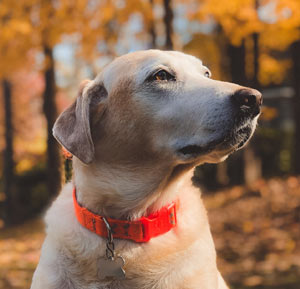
x=132, y=218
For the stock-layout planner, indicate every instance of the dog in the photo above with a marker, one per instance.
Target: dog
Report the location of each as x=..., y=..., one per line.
x=136, y=132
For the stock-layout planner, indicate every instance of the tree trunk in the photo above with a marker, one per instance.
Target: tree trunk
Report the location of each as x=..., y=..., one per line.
x=255, y=81
x=295, y=49
x=255, y=38
x=152, y=31
x=222, y=175
x=49, y=107
x=238, y=75
x=237, y=63
x=252, y=163
x=168, y=20
x=8, y=167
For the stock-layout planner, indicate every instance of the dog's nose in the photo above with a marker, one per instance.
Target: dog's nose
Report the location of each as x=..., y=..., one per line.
x=248, y=98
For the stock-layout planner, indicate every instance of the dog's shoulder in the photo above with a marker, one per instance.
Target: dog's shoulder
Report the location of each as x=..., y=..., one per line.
x=62, y=225
x=69, y=249
x=60, y=216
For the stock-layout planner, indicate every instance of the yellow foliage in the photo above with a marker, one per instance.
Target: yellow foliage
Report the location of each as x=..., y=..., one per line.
x=14, y=41
x=24, y=165
x=108, y=12
x=268, y=113
x=206, y=47
x=288, y=13
x=274, y=37
x=272, y=70
x=238, y=18
x=28, y=152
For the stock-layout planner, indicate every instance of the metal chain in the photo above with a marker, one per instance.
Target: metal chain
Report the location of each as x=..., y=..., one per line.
x=110, y=245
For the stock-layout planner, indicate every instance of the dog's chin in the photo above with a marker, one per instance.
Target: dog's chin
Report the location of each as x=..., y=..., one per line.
x=218, y=149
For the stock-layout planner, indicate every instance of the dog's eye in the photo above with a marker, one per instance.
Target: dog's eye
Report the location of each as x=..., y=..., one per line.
x=162, y=75
x=207, y=74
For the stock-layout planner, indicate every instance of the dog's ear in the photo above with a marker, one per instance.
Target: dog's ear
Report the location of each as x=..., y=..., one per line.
x=72, y=129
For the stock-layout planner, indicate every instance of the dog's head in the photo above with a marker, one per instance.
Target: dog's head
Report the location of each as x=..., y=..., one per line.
x=158, y=105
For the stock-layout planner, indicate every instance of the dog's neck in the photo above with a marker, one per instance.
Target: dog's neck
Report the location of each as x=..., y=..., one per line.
x=126, y=192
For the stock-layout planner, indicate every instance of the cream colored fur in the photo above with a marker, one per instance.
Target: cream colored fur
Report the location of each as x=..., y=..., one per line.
x=126, y=133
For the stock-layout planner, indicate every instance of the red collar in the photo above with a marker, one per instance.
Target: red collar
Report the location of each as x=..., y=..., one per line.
x=141, y=230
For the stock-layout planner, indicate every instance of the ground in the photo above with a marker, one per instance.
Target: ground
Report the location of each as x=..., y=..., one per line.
x=19, y=254
x=256, y=232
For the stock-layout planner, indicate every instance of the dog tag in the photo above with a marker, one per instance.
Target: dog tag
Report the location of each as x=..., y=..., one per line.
x=111, y=269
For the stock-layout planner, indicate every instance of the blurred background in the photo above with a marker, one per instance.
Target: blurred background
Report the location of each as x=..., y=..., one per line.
x=47, y=47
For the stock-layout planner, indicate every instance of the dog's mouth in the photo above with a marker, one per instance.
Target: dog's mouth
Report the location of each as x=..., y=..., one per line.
x=229, y=142
x=197, y=150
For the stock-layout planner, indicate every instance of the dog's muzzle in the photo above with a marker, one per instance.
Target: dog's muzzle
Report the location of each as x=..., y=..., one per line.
x=246, y=105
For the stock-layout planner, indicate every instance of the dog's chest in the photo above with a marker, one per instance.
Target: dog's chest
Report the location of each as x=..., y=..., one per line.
x=142, y=271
